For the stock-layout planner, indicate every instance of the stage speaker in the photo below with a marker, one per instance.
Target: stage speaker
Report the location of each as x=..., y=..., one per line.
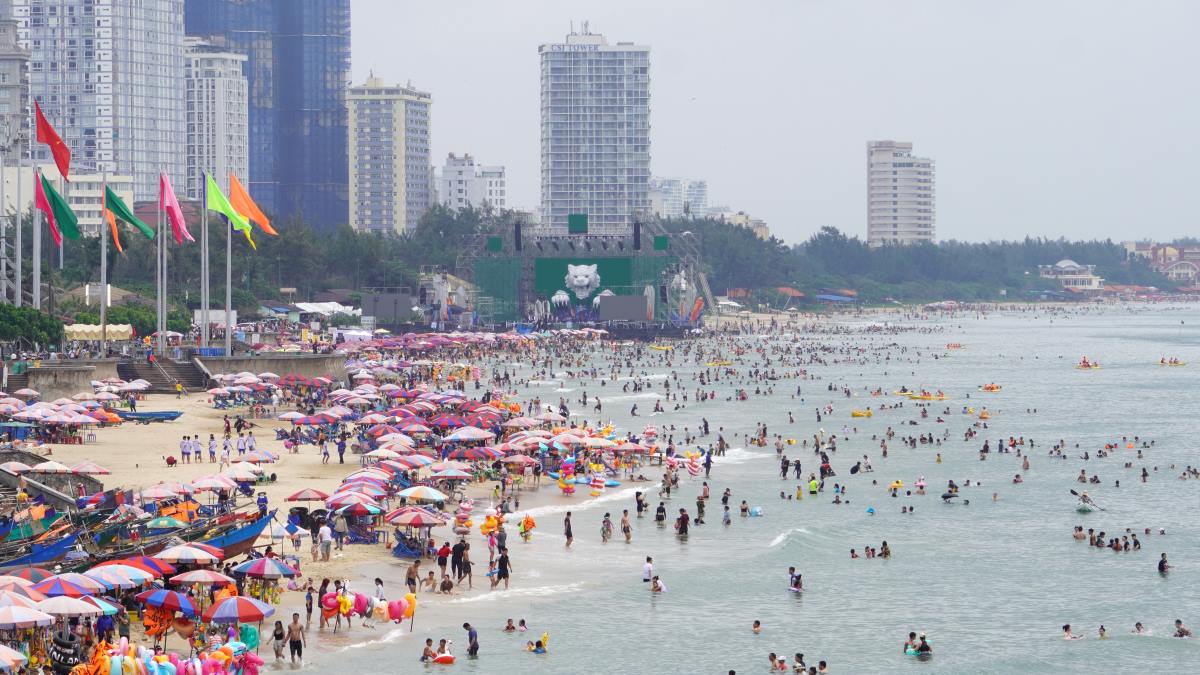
x=517, y=236
x=662, y=293
x=422, y=296
x=637, y=236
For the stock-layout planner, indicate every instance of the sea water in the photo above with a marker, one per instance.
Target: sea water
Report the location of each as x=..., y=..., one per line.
x=991, y=583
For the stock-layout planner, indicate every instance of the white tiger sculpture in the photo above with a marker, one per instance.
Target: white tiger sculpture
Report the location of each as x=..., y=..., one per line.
x=582, y=280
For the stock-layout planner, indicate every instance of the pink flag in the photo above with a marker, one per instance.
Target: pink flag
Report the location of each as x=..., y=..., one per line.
x=42, y=204
x=168, y=202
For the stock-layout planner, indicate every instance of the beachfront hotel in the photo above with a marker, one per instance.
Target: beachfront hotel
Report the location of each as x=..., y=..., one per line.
x=900, y=194
x=595, y=99
x=391, y=178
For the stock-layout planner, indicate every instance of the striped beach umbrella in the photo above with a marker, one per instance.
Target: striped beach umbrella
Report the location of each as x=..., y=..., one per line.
x=238, y=609
x=169, y=600
x=12, y=618
x=186, y=554
x=422, y=493
x=307, y=495
x=266, y=568
x=54, y=587
x=156, y=567
x=201, y=577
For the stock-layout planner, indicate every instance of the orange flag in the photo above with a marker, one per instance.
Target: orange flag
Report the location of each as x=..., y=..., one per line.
x=243, y=204
x=112, y=225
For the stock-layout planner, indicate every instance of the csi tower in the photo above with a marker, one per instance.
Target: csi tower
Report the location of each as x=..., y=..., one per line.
x=595, y=132
x=297, y=71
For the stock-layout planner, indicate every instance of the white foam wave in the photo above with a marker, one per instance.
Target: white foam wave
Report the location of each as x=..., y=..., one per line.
x=738, y=456
x=642, y=395
x=534, y=592
x=387, y=638
x=784, y=536
x=608, y=496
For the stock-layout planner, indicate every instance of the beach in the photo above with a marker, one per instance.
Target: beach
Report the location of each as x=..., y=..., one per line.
x=990, y=582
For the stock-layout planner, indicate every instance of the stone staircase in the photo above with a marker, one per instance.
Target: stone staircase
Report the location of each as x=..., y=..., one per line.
x=16, y=382
x=163, y=375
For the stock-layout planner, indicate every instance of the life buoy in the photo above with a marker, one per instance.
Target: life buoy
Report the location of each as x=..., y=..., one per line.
x=444, y=659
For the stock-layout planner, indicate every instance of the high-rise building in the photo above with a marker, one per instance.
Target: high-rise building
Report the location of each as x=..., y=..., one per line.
x=297, y=71
x=391, y=177
x=595, y=132
x=900, y=194
x=216, y=115
x=13, y=59
x=464, y=183
x=679, y=197
x=108, y=75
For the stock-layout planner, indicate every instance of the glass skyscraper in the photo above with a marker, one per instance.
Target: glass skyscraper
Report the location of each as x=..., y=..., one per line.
x=297, y=70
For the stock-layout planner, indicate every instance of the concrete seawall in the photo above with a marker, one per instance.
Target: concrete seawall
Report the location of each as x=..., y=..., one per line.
x=58, y=380
x=332, y=366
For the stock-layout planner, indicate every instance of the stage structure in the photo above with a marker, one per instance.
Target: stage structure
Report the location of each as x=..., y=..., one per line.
x=523, y=274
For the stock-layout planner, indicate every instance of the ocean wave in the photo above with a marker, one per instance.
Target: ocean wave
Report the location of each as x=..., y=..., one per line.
x=783, y=536
x=534, y=592
x=388, y=637
x=639, y=396
x=625, y=493
x=738, y=456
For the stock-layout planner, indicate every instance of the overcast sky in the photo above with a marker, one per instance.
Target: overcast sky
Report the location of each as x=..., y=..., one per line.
x=1077, y=119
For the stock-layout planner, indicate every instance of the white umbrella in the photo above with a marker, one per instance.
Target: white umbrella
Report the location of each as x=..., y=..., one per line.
x=63, y=606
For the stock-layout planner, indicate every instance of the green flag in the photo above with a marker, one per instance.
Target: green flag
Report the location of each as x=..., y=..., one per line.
x=64, y=217
x=113, y=203
x=215, y=201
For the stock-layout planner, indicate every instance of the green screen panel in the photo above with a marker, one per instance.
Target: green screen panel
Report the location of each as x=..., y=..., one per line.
x=661, y=242
x=549, y=274
x=495, y=244
x=577, y=223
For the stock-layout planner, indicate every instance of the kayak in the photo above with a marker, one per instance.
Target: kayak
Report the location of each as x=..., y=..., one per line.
x=1084, y=507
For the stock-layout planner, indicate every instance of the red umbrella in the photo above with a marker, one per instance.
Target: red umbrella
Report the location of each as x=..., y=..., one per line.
x=170, y=600
x=152, y=565
x=308, y=495
x=215, y=550
x=34, y=574
x=54, y=587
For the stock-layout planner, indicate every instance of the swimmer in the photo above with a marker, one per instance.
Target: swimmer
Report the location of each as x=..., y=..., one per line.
x=756, y=627
x=1068, y=635
x=1139, y=629
x=509, y=627
x=1181, y=631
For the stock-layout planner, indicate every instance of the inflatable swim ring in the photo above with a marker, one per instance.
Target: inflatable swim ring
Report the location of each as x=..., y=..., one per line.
x=444, y=658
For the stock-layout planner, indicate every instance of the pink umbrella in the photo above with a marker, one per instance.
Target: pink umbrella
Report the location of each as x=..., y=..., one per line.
x=201, y=577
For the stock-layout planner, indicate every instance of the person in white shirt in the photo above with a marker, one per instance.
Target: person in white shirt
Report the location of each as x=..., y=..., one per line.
x=648, y=570
x=250, y=442
x=325, y=536
x=241, y=445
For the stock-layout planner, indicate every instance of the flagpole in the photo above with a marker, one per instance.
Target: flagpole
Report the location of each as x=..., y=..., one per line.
x=36, y=254
x=103, y=267
x=160, y=271
x=204, y=289
x=228, y=289
x=20, y=225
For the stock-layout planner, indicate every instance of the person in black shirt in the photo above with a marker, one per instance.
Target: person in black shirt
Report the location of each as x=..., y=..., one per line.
x=503, y=568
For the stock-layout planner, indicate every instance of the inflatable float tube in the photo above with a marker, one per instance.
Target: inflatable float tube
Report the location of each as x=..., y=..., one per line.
x=861, y=413
x=446, y=659
x=612, y=483
x=756, y=511
x=1087, y=367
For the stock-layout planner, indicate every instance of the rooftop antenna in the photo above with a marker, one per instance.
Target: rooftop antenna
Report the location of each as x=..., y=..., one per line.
x=585, y=28
x=572, y=26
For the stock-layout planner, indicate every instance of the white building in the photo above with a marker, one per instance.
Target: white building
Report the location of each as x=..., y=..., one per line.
x=678, y=197
x=109, y=77
x=13, y=60
x=595, y=132
x=900, y=194
x=1072, y=276
x=217, y=116
x=739, y=218
x=391, y=177
x=464, y=183
x=83, y=193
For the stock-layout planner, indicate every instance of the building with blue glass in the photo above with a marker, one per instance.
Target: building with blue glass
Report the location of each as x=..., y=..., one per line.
x=297, y=71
